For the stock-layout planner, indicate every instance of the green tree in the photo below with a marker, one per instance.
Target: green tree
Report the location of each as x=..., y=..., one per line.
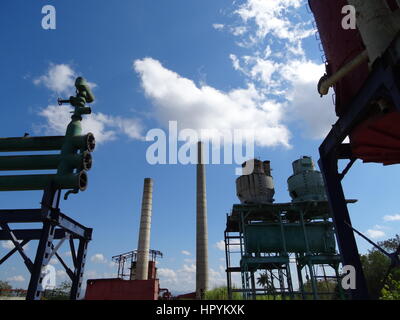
x=326, y=289
x=391, y=290
x=4, y=285
x=376, y=264
x=61, y=292
x=264, y=281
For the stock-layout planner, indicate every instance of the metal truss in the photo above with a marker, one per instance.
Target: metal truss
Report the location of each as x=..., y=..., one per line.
x=55, y=226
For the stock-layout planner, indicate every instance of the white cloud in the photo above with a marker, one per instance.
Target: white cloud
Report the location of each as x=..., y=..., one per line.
x=54, y=261
x=216, y=278
x=91, y=274
x=218, y=26
x=238, y=31
x=189, y=268
x=184, y=279
x=186, y=253
x=204, y=107
x=167, y=274
x=274, y=18
x=375, y=234
x=395, y=217
x=98, y=258
x=278, y=65
x=59, y=78
x=104, y=127
x=220, y=245
x=61, y=274
x=7, y=244
x=315, y=115
x=18, y=278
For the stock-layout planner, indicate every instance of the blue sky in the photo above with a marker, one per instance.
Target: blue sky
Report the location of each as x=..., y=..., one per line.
x=206, y=64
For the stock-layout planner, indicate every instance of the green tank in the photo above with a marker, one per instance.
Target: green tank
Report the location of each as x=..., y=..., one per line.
x=267, y=238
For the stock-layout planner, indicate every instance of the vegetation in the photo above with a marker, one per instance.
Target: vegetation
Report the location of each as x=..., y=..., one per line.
x=4, y=288
x=376, y=265
x=327, y=290
x=61, y=292
x=221, y=293
x=391, y=290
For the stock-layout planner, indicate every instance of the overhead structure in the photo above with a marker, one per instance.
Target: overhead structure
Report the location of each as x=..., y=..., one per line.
x=127, y=264
x=367, y=102
x=144, y=231
x=71, y=164
x=273, y=239
x=201, y=227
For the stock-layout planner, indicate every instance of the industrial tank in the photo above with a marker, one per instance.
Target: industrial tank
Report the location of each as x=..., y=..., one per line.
x=378, y=23
x=306, y=183
x=256, y=184
x=340, y=47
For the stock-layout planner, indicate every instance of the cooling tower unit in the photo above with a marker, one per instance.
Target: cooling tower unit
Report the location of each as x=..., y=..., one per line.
x=306, y=183
x=256, y=184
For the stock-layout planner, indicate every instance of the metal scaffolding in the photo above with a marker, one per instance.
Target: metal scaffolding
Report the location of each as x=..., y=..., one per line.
x=55, y=226
x=271, y=238
x=127, y=261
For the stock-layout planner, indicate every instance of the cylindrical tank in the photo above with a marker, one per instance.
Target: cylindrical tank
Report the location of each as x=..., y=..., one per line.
x=306, y=183
x=340, y=47
x=378, y=23
x=256, y=184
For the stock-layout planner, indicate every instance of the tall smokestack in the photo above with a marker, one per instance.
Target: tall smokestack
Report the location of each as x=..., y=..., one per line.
x=142, y=263
x=201, y=227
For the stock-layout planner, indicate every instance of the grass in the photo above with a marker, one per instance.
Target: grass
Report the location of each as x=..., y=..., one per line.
x=221, y=293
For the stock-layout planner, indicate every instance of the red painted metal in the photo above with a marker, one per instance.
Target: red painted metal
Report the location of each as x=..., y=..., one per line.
x=378, y=138
x=118, y=289
x=186, y=296
x=340, y=47
x=152, y=273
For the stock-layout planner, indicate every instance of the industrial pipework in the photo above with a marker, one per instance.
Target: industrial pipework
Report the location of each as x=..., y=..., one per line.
x=378, y=25
x=142, y=264
x=71, y=163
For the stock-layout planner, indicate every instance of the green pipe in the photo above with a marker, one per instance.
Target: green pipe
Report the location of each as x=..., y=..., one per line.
x=80, y=161
x=41, y=181
x=85, y=142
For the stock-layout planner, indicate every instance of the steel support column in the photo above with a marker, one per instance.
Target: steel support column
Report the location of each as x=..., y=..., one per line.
x=56, y=225
x=341, y=218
